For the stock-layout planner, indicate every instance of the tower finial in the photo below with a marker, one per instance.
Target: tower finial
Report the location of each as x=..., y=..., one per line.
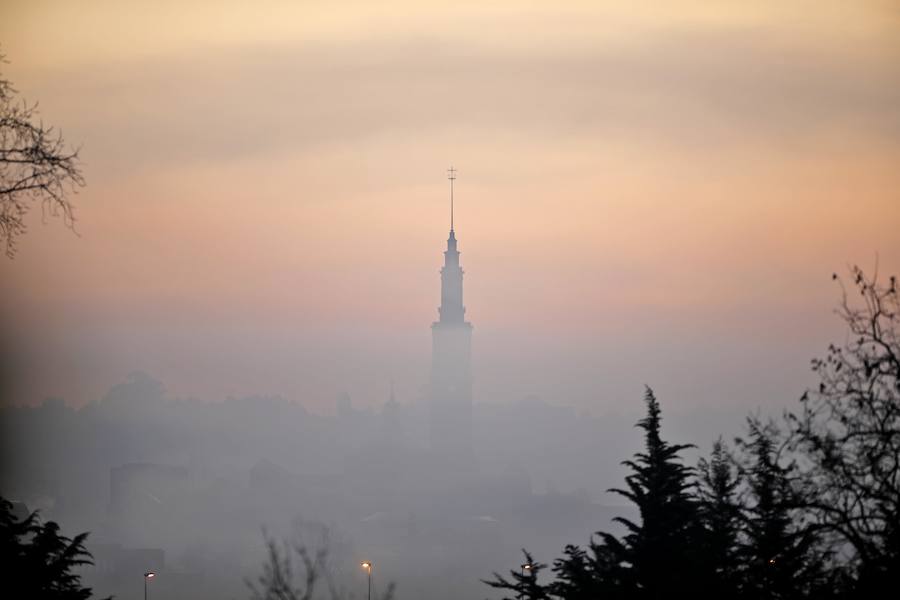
x=451, y=175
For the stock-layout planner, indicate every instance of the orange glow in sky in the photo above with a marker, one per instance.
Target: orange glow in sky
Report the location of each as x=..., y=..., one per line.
x=267, y=204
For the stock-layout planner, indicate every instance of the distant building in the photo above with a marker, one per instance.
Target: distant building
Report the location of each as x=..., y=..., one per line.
x=113, y=561
x=451, y=361
x=142, y=487
x=344, y=406
x=390, y=420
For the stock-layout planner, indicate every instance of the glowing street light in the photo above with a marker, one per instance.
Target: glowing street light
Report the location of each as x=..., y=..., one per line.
x=147, y=577
x=526, y=568
x=367, y=565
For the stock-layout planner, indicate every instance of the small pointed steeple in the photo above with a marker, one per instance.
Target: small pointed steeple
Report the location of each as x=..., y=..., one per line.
x=451, y=175
x=451, y=309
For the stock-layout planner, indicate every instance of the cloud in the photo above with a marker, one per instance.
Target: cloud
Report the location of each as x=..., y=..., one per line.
x=695, y=88
x=267, y=186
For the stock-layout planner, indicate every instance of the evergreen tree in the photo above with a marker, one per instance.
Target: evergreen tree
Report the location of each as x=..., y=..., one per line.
x=523, y=582
x=815, y=514
x=780, y=550
x=720, y=514
x=657, y=558
x=38, y=561
x=661, y=549
x=594, y=573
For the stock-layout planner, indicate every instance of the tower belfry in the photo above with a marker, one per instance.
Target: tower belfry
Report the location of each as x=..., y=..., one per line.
x=451, y=344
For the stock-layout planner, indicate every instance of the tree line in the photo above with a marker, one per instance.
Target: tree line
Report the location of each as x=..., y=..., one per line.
x=805, y=506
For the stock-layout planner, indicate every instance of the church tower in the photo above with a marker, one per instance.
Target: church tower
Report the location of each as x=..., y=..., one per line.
x=451, y=350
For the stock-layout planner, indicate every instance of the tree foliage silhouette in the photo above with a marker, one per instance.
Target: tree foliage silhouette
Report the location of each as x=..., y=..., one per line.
x=36, y=166
x=654, y=559
x=597, y=572
x=660, y=486
x=295, y=571
x=779, y=548
x=813, y=512
x=721, y=518
x=38, y=561
x=848, y=432
x=524, y=581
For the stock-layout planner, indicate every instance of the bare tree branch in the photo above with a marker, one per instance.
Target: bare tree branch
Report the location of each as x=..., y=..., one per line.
x=295, y=571
x=848, y=430
x=36, y=166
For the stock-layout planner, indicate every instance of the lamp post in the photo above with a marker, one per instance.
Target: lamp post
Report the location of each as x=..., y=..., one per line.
x=147, y=577
x=526, y=568
x=367, y=565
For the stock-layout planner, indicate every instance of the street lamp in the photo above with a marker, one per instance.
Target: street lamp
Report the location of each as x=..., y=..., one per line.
x=147, y=577
x=367, y=565
x=526, y=568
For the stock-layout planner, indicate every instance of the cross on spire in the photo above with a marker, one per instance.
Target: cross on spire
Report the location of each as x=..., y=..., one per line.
x=451, y=175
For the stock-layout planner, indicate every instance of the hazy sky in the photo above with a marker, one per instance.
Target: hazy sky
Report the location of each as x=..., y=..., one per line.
x=648, y=193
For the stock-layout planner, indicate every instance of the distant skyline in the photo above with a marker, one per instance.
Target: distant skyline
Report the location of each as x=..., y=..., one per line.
x=646, y=194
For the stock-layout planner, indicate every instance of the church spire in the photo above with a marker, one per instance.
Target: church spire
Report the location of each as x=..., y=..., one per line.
x=451, y=175
x=452, y=309
x=451, y=373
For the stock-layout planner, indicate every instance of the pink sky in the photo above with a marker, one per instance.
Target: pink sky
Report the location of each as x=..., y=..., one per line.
x=645, y=194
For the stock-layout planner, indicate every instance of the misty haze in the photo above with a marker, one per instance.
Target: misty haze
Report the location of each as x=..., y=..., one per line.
x=533, y=301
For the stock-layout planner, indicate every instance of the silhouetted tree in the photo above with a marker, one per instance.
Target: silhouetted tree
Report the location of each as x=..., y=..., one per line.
x=597, y=572
x=38, y=561
x=720, y=514
x=660, y=549
x=780, y=549
x=578, y=575
x=813, y=513
x=35, y=166
x=848, y=433
x=658, y=556
x=277, y=581
x=293, y=571
x=523, y=582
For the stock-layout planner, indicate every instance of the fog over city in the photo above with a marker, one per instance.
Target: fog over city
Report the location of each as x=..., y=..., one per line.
x=394, y=279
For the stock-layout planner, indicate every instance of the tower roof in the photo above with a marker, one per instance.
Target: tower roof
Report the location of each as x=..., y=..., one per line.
x=452, y=312
x=451, y=175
